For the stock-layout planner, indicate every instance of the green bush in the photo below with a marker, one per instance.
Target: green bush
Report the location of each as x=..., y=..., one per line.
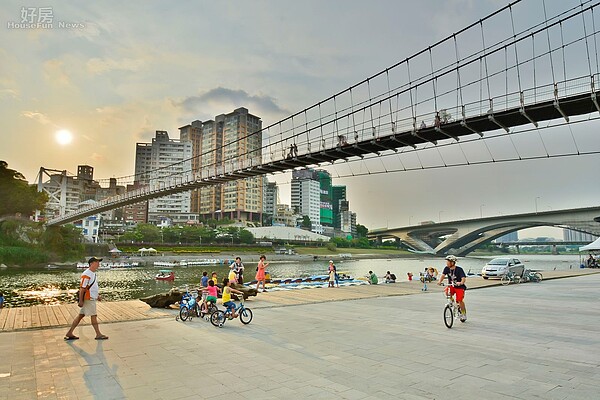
x=22, y=255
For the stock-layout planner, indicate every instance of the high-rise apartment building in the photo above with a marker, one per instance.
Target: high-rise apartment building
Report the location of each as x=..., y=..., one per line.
x=348, y=223
x=570, y=235
x=306, y=195
x=338, y=194
x=231, y=140
x=326, y=208
x=156, y=164
x=270, y=200
x=193, y=133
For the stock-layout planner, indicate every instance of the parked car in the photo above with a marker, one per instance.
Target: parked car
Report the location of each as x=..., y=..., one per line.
x=499, y=267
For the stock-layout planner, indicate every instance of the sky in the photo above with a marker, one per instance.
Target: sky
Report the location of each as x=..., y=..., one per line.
x=123, y=70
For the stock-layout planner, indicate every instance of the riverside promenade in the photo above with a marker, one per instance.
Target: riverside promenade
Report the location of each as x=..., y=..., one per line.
x=527, y=341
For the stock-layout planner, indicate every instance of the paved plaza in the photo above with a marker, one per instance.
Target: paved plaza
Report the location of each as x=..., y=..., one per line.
x=528, y=341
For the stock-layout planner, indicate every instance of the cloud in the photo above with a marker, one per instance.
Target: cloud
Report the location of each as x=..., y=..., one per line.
x=222, y=98
x=100, y=66
x=9, y=93
x=54, y=71
x=37, y=116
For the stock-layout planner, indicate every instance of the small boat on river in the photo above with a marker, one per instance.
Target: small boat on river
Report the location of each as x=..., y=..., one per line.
x=110, y=265
x=310, y=281
x=188, y=263
x=165, y=275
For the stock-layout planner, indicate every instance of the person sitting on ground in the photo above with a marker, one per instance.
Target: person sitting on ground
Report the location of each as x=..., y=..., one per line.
x=227, y=290
x=373, y=278
x=390, y=278
x=433, y=273
x=590, y=261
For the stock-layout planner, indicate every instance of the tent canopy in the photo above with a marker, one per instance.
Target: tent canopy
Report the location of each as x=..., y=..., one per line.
x=594, y=246
x=145, y=250
x=115, y=250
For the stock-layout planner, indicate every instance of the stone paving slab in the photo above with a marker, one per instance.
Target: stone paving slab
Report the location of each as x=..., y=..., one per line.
x=536, y=341
x=41, y=316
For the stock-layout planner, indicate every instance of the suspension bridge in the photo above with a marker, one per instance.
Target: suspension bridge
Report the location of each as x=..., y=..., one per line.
x=504, y=72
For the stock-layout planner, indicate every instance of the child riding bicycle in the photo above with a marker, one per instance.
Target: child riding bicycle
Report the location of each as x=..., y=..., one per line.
x=212, y=290
x=227, y=290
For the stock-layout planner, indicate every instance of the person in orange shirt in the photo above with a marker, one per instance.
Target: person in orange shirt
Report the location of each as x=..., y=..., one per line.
x=88, y=296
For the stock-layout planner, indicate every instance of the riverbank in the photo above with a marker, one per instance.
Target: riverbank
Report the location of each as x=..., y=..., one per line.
x=530, y=341
x=61, y=315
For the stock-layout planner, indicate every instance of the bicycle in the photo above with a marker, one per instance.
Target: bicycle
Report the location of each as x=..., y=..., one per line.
x=452, y=308
x=207, y=308
x=510, y=277
x=219, y=317
x=188, y=305
x=530, y=276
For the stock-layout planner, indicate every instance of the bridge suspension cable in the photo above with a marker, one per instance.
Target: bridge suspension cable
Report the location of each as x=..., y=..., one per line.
x=504, y=79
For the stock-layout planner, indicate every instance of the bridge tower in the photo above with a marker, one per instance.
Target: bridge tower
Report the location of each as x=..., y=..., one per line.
x=56, y=189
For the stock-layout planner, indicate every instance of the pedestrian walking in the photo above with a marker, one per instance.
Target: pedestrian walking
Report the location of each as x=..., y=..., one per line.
x=260, y=273
x=88, y=296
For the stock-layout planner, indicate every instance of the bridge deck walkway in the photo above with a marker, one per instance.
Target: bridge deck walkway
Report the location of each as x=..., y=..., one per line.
x=571, y=105
x=53, y=316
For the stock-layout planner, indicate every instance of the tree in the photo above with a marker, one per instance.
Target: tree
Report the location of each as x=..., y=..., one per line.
x=150, y=233
x=63, y=240
x=306, y=222
x=16, y=195
x=361, y=231
x=246, y=236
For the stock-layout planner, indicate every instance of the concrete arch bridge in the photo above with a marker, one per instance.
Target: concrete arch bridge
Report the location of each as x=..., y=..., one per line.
x=462, y=237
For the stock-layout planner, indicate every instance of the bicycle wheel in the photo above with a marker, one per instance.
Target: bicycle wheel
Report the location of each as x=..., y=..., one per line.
x=197, y=310
x=246, y=316
x=538, y=277
x=448, y=316
x=505, y=280
x=217, y=318
x=184, y=313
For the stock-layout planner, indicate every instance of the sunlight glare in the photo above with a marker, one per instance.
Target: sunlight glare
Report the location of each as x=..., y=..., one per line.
x=63, y=137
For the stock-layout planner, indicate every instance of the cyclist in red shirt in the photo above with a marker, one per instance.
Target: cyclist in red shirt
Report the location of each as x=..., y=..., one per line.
x=456, y=283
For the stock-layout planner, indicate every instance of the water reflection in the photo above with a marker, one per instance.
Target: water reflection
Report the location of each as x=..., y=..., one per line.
x=29, y=286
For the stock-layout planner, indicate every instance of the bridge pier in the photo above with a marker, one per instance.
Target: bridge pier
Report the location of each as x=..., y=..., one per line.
x=518, y=249
x=554, y=250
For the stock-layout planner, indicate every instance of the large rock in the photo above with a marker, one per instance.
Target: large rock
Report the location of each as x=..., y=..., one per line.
x=164, y=300
x=248, y=291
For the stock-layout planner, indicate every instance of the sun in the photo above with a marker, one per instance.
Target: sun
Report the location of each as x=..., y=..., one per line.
x=63, y=137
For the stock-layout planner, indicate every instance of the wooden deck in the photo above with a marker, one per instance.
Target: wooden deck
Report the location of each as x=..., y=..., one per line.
x=40, y=316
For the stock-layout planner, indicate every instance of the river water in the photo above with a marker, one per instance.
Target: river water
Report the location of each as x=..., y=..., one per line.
x=29, y=286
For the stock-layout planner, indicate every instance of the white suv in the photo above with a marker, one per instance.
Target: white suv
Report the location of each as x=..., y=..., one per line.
x=499, y=267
